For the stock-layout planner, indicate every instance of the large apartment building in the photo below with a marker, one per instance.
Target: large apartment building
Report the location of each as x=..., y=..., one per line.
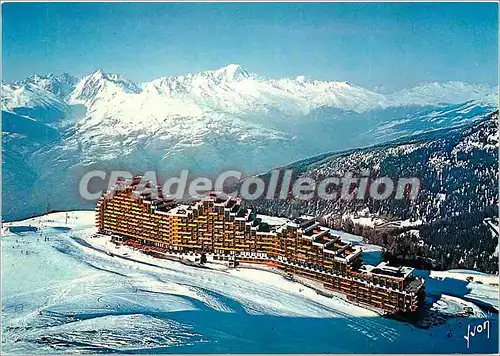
x=223, y=229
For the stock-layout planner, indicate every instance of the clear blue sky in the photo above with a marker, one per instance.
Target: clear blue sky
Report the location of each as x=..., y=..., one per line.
x=370, y=44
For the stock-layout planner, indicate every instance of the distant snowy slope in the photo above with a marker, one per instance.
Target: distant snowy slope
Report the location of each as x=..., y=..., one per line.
x=431, y=118
x=445, y=93
x=33, y=101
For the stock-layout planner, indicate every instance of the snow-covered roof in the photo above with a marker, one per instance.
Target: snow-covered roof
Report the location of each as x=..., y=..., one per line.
x=384, y=269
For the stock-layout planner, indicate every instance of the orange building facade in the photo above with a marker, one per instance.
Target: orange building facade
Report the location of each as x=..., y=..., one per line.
x=224, y=230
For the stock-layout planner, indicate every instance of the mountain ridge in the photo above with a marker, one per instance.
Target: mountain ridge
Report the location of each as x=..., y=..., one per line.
x=326, y=93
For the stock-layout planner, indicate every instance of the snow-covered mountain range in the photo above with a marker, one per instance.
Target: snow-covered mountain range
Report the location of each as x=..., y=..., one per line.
x=56, y=127
x=234, y=90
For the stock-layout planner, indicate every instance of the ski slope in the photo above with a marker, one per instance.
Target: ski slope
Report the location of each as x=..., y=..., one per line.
x=60, y=294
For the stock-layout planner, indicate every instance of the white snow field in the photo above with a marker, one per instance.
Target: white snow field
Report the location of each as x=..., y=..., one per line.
x=61, y=292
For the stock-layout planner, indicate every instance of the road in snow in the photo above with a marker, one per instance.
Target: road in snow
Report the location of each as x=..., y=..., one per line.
x=66, y=297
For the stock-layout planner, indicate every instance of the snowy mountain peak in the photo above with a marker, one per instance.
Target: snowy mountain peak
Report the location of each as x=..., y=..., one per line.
x=59, y=85
x=98, y=74
x=101, y=85
x=40, y=78
x=300, y=79
x=36, y=77
x=112, y=77
x=226, y=74
x=205, y=83
x=231, y=72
